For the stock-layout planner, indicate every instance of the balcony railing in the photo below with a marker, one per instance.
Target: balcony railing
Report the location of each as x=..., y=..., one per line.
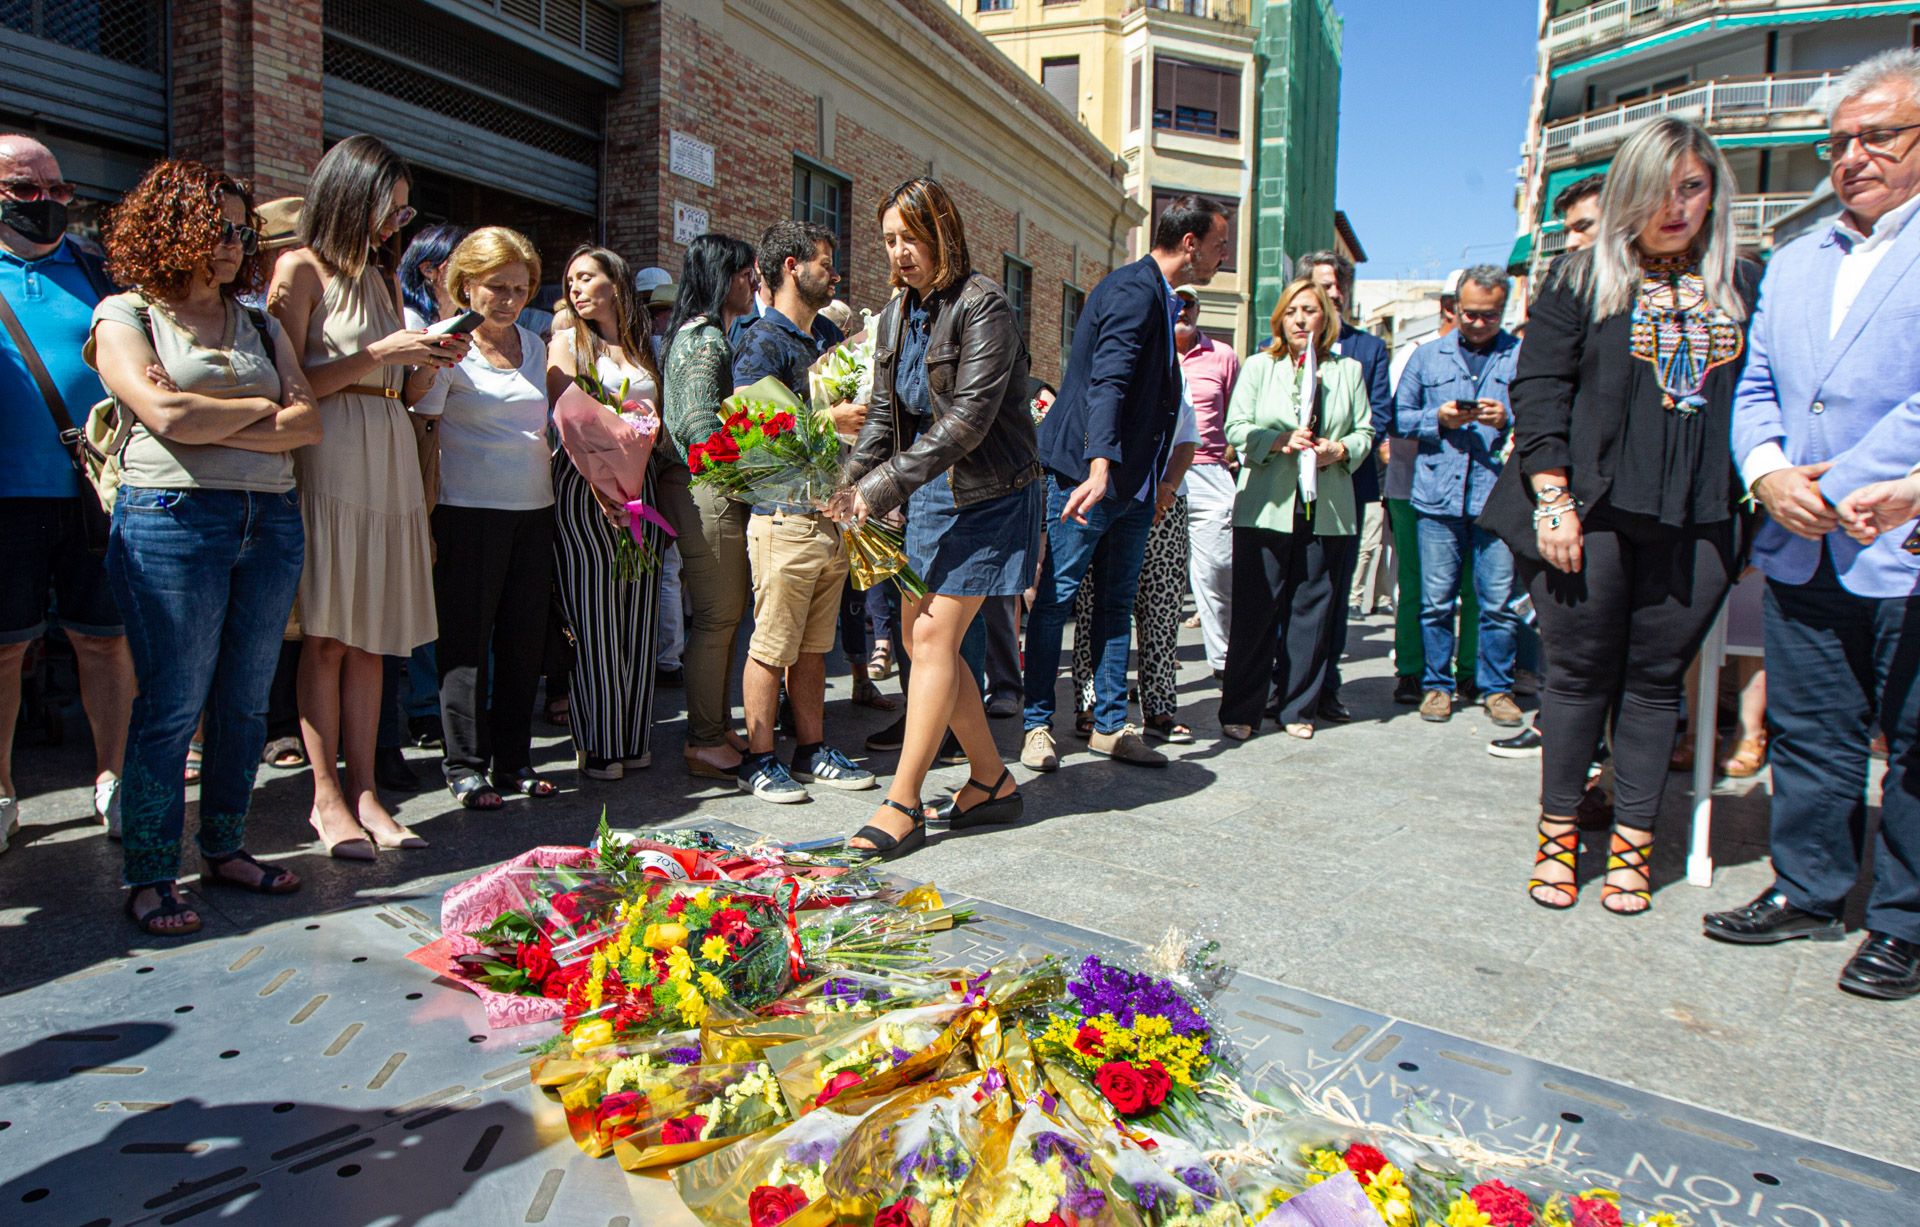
x=1737, y=102
x=1619, y=19
x=1233, y=12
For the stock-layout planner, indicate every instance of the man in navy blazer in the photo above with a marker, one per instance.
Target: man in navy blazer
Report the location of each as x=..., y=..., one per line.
x=1104, y=444
x=1828, y=409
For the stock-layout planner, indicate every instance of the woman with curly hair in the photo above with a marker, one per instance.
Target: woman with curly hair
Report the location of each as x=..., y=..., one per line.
x=367, y=590
x=207, y=541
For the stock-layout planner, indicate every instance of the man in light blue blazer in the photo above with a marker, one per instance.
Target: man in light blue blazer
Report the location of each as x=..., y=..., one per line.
x=1829, y=403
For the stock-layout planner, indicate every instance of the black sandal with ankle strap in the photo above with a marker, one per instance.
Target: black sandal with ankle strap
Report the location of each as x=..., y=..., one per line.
x=170, y=905
x=273, y=879
x=891, y=847
x=981, y=813
x=526, y=781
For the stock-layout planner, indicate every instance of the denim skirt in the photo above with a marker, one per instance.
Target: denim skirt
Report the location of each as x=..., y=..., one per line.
x=982, y=549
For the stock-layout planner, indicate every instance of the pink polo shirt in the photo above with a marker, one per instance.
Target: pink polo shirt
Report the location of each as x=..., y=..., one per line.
x=1211, y=369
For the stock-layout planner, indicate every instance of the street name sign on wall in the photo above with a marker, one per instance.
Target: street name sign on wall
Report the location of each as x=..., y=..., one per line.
x=689, y=158
x=689, y=222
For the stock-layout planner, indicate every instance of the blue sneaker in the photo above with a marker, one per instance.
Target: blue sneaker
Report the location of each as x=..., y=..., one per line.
x=828, y=766
x=766, y=777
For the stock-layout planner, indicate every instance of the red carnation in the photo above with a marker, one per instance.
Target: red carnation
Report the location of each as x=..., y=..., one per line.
x=1156, y=1083
x=1364, y=1161
x=1124, y=1086
x=907, y=1212
x=1504, y=1204
x=1089, y=1040
x=732, y=924
x=839, y=1082
x=1595, y=1212
x=676, y=905
x=771, y=1204
x=682, y=1129
x=1052, y=1220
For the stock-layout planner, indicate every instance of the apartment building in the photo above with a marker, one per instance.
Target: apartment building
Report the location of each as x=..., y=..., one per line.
x=1755, y=72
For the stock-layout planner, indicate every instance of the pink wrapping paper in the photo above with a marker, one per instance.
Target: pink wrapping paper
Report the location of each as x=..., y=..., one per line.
x=471, y=906
x=607, y=450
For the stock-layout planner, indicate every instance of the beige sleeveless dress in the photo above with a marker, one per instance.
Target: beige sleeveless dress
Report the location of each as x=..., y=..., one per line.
x=369, y=572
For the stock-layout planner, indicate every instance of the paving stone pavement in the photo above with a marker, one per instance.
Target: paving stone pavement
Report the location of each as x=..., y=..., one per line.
x=1380, y=864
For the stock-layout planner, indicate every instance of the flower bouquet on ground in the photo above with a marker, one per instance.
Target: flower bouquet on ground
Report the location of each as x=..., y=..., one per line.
x=821, y=1006
x=611, y=1094
x=674, y=950
x=697, y=1109
x=1168, y=1180
x=609, y=437
x=879, y=934
x=879, y=1054
x=1037, y=1170
x=775, y=1178
x=1139, y=1040
x=906, y=1164
x=770, y=448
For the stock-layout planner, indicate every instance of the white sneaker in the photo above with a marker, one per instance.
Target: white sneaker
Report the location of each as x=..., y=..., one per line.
x=106, y=805
x=9, y=820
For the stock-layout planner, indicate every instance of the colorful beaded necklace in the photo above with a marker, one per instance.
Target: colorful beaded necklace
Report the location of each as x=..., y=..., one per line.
x=1680, y=332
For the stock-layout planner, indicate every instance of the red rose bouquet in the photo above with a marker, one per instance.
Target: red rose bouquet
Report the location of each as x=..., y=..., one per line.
x=612, y=1095
x=689, y=1111
x=1142, y=1041
x=776, y=1178
x=771, y=448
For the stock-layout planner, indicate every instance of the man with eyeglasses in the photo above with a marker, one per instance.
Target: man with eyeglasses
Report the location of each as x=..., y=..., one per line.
x=52, y=287
x=1452, y=399
x=1827, y=411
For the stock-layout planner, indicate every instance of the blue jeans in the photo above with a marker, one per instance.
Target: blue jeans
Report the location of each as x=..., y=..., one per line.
x=1443, y=539
x=1113, y=545
x=205, y=579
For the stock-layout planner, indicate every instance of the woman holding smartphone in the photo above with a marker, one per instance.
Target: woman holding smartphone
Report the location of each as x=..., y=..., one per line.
x=948, y=432
x=367, y=590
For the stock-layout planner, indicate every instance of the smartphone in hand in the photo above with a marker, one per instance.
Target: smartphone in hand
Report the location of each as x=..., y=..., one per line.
x=463, y=323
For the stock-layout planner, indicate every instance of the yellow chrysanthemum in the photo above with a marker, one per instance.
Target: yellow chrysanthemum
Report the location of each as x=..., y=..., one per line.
x=703, y=896
x=710, y=985
x=1661, y=1219
x=714, y=950
x=1464, y=1213
x=693, y=1009
x=1327, y=1161
x=679, y=964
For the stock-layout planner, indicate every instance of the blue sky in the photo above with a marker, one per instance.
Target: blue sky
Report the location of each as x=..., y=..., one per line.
x=1433, y=107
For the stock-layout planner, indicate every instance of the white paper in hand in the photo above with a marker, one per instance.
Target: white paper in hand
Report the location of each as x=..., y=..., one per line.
x=1309, y=459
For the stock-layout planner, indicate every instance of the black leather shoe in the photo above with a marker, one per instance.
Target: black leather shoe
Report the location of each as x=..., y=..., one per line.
x=1333, y=711
x=1769, y=919
x=672, y=679
x=425, y=732
x=1885, y=967
x=889, y=738
x=1407, y=690
x=390, y=770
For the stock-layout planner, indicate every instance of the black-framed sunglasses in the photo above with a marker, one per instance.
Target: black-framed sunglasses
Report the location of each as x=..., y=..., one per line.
x=26, y=191
x=1876, y=142
x=246, y=236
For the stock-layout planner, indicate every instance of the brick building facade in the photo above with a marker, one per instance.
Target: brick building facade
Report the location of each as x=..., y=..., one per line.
x=632, y=122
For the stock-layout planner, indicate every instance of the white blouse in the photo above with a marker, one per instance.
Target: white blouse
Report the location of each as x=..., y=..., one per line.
x=493, y=430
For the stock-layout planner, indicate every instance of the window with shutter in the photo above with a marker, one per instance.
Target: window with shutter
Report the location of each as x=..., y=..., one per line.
x=1197, y=98
x=1061, y=78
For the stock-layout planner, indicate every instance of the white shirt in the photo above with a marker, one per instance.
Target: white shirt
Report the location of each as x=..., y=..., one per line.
x=493, y=430
x=1863, y=254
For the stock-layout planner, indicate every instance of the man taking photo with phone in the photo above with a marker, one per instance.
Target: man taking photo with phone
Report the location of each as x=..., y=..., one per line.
x=1452, y=399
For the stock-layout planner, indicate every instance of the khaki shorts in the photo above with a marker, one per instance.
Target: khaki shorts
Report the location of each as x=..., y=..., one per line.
x=799, y=569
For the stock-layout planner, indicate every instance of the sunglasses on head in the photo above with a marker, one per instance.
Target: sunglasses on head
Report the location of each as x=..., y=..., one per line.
x=246, y=236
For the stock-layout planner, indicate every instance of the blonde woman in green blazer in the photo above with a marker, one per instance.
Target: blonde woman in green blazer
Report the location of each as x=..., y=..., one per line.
x=1285, y=548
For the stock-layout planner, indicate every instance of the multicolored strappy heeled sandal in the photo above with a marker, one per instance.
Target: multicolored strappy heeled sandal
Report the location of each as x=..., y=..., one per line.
x=1565, y=847
x=1623, y=857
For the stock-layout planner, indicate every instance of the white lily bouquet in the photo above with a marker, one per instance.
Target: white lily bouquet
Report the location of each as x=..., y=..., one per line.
x=845, y=372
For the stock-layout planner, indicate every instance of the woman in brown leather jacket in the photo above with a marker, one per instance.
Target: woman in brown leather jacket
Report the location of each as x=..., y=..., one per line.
x=947, y=434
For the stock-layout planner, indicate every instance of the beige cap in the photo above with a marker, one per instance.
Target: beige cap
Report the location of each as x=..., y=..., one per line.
x=280, y=221
x=664, y=295
x=1187, y=292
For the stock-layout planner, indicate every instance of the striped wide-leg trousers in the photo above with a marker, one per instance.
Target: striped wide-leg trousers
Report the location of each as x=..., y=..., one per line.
x=615, y=624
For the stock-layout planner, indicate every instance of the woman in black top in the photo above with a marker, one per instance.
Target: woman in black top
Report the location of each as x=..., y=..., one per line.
x=1621, y=507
